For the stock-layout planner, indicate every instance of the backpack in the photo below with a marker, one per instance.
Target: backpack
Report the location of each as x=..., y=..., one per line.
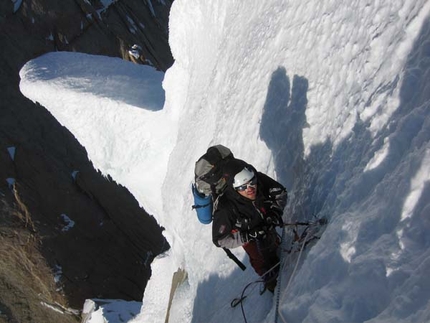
x=208, y=180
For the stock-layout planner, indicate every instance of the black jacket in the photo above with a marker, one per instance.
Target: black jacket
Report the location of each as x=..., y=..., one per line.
x=235, y=214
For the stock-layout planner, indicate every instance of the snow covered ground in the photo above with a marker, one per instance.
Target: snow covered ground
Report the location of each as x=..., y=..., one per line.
x=330, y=97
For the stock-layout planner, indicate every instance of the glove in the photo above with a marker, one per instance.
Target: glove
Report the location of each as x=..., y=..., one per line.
x=274, y=221
x=279, y=196
x=274, y=215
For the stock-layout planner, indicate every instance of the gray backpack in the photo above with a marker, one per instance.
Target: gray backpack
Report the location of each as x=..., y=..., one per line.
x=209, y=181
x=208, y=170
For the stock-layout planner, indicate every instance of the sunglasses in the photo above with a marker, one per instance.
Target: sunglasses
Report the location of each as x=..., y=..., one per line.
x=252, y=183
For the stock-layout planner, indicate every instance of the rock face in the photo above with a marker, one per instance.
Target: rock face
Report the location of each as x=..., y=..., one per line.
x=60, y=218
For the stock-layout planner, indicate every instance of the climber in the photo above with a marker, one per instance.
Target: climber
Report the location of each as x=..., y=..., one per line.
x=246, y=214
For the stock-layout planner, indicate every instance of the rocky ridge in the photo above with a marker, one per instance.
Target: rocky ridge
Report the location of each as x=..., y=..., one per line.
x=67, y=232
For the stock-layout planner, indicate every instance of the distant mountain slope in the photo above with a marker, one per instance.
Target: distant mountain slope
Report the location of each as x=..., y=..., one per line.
x=107, y=252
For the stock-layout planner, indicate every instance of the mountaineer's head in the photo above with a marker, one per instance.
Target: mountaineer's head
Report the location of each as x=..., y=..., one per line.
x=242, y=178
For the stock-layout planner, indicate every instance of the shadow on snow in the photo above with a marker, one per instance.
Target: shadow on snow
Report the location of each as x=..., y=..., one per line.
x=105, y=77
x=335, y=183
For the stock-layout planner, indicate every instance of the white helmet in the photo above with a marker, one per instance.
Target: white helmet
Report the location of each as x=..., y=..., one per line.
x=243, y=177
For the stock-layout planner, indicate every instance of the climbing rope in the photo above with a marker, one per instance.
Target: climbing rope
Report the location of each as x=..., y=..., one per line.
x=239, y=300
x=303, y=238
x=278, y=291
x=284, y=292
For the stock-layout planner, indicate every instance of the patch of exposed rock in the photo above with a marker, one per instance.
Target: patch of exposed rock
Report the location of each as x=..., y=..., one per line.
x=59, y=217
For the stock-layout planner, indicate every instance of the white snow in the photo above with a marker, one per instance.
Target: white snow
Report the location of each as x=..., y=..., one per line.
x=11, y=151
x=329, y=97
x=58, y=272
x=68, y=221
x=11, y=182
x=16, y=5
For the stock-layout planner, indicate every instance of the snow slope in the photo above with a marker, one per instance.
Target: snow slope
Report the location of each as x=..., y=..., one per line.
x=329, y=97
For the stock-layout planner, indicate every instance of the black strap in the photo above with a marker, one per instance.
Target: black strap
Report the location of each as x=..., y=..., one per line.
x=234, y=258
x=199, y=206
x=320, y=221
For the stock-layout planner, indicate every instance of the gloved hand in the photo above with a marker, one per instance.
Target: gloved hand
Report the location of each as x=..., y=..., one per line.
x=274, y=215
x=274, y=221
x=278, y=196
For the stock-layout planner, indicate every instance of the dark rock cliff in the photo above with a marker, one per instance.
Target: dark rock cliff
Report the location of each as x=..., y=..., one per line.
x=108, y=251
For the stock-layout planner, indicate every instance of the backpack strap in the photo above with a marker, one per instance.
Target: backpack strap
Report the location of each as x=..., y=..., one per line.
x=215, y=201
x=234, y=258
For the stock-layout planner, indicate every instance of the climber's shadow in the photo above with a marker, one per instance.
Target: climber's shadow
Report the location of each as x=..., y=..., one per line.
x=282, y=124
